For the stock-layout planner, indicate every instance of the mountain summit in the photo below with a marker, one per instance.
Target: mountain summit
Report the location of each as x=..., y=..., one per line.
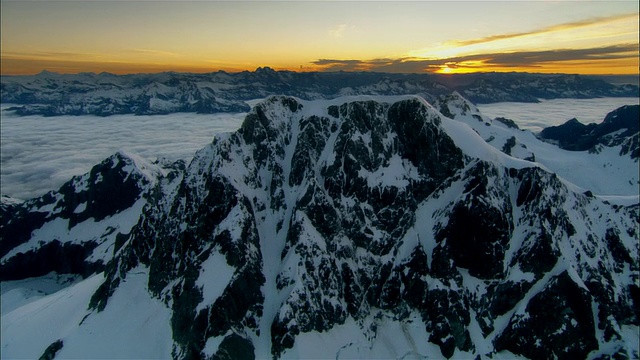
x=349, y=228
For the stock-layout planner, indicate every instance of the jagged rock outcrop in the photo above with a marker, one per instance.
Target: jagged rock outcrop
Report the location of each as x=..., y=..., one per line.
x=347, y=220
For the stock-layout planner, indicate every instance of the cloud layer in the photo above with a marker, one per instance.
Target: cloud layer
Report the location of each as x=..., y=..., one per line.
x=536, y=116
x=40, y=154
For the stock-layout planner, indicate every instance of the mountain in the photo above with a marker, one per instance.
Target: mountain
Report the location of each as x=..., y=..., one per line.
x=105, y=94
x=361, y=227
x=74, y=230
x=621, y=126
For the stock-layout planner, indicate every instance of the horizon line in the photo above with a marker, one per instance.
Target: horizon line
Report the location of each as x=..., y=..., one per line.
x=44, y=71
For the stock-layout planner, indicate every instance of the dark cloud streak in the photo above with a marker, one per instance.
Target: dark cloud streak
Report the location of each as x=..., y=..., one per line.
x=531, y=59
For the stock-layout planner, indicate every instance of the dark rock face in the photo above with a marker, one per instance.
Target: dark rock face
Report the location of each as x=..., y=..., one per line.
x=235, y=347
x=50, y=352
x=478, y=232
x=559, y=323
x=572, y=135
x=510, y=123
x=619, y=127
x=366, y=213
x=371, y=135
x=112, y=190
x=53, y=256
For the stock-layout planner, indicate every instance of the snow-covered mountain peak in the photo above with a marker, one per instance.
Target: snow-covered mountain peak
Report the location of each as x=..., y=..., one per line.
x=454, y=104
x=358, y=228
x=138, y=166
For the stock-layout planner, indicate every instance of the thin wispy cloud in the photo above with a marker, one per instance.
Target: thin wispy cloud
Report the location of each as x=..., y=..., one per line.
x=30, y=65
x=591, y=38
x=339, y=30
x=548, y=29
x=621, y=51
x=152, y=52
x=50, y=55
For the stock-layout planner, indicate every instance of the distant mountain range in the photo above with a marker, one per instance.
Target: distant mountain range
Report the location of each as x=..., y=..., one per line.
x=105, y=94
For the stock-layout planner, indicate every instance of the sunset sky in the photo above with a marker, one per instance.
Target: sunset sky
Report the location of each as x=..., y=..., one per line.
x=585, y=37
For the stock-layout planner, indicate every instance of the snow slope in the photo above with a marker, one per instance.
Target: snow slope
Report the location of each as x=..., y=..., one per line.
x=135, y=325
x=603, y=173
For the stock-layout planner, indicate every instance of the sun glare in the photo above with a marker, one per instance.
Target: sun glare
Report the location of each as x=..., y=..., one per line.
x=446, y=70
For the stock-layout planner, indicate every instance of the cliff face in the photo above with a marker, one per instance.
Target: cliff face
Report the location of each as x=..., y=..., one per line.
x=380, y=228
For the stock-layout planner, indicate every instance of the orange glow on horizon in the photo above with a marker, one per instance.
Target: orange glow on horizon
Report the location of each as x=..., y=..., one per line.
x=126, y=37
x=21, y=66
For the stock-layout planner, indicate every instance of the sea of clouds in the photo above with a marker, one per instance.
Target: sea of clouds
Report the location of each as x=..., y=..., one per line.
x=537, y=116
x=39, y=154
x=42, y=153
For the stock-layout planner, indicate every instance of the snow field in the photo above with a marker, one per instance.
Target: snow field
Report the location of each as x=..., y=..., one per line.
x=121, y=331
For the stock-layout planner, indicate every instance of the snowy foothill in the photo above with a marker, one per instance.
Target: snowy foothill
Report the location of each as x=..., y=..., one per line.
x=18, y=293
x=604, y=172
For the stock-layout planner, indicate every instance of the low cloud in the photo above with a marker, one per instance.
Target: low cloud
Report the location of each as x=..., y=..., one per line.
x=38, y=156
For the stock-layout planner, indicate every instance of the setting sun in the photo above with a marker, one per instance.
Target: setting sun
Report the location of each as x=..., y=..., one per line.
x=406, y=37
x=446, y=70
